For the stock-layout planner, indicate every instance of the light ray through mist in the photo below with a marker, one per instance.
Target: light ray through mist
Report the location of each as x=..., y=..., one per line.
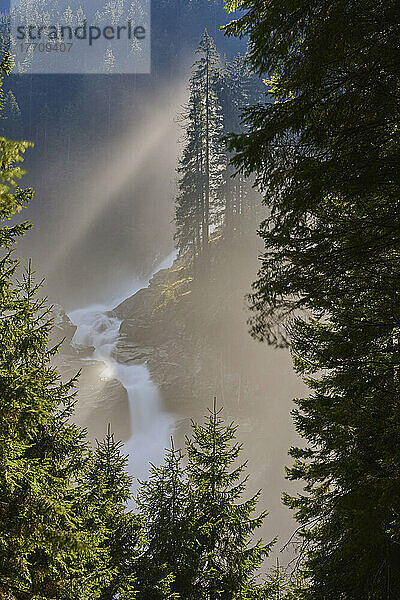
x=129, y=158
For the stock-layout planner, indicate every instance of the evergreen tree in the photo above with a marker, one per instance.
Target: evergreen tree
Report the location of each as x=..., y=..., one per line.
x=171, y=553
x=326, y=155
x=239, y=88
x=106, y=492
x=109, y=61
x=189, y=208
x=12, y=108
x=205, y=79
x=281, y=585
x=209, y=196
x=199, y=203
x=224, y=524
x=198, y=528
x=43, y=547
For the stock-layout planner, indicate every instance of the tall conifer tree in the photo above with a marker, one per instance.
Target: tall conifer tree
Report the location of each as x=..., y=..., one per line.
x=171, y=554
x=209, y=196
x=224, y=523
x=106, y=492
x=199, y=202
x=44, y=548
x=239, y=88
x=326, y=154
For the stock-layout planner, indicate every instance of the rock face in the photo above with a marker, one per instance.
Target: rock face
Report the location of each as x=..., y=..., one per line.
x=194, y=339
x=63, y=333
x=195, y=345
x=63, y=330
x=100, y=401
x=155, y=331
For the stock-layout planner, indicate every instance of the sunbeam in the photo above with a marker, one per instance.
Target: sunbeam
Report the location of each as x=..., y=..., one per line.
x=129, y=158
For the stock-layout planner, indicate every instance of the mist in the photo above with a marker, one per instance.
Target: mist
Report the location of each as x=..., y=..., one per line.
x=104, y=170
x=106, y=216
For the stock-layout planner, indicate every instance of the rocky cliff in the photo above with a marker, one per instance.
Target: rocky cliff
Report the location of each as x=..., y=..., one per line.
x=194, y=339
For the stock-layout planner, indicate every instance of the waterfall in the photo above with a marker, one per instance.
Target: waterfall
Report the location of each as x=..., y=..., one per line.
x=150, y=426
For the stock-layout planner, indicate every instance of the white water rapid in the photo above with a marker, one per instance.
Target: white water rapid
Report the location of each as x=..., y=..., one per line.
x=150, y=426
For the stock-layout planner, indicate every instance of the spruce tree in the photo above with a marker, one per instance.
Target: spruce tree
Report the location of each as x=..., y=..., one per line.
x=239, y=88
x=281, y=584
x=171, y=554
x=205, y=77
x=209, y=194
x=44, y=548
x=224, y=522
x=11, y=115
x=106, y=491
x=189, y=206
x=199, y=203
x=11, y=108
x=326, y=154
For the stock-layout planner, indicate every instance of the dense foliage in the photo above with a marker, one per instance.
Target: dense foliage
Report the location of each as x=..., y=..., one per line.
x=224, y=522
x=326, y=156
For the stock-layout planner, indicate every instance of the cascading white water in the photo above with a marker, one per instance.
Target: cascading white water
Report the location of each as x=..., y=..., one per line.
x=150, y=426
